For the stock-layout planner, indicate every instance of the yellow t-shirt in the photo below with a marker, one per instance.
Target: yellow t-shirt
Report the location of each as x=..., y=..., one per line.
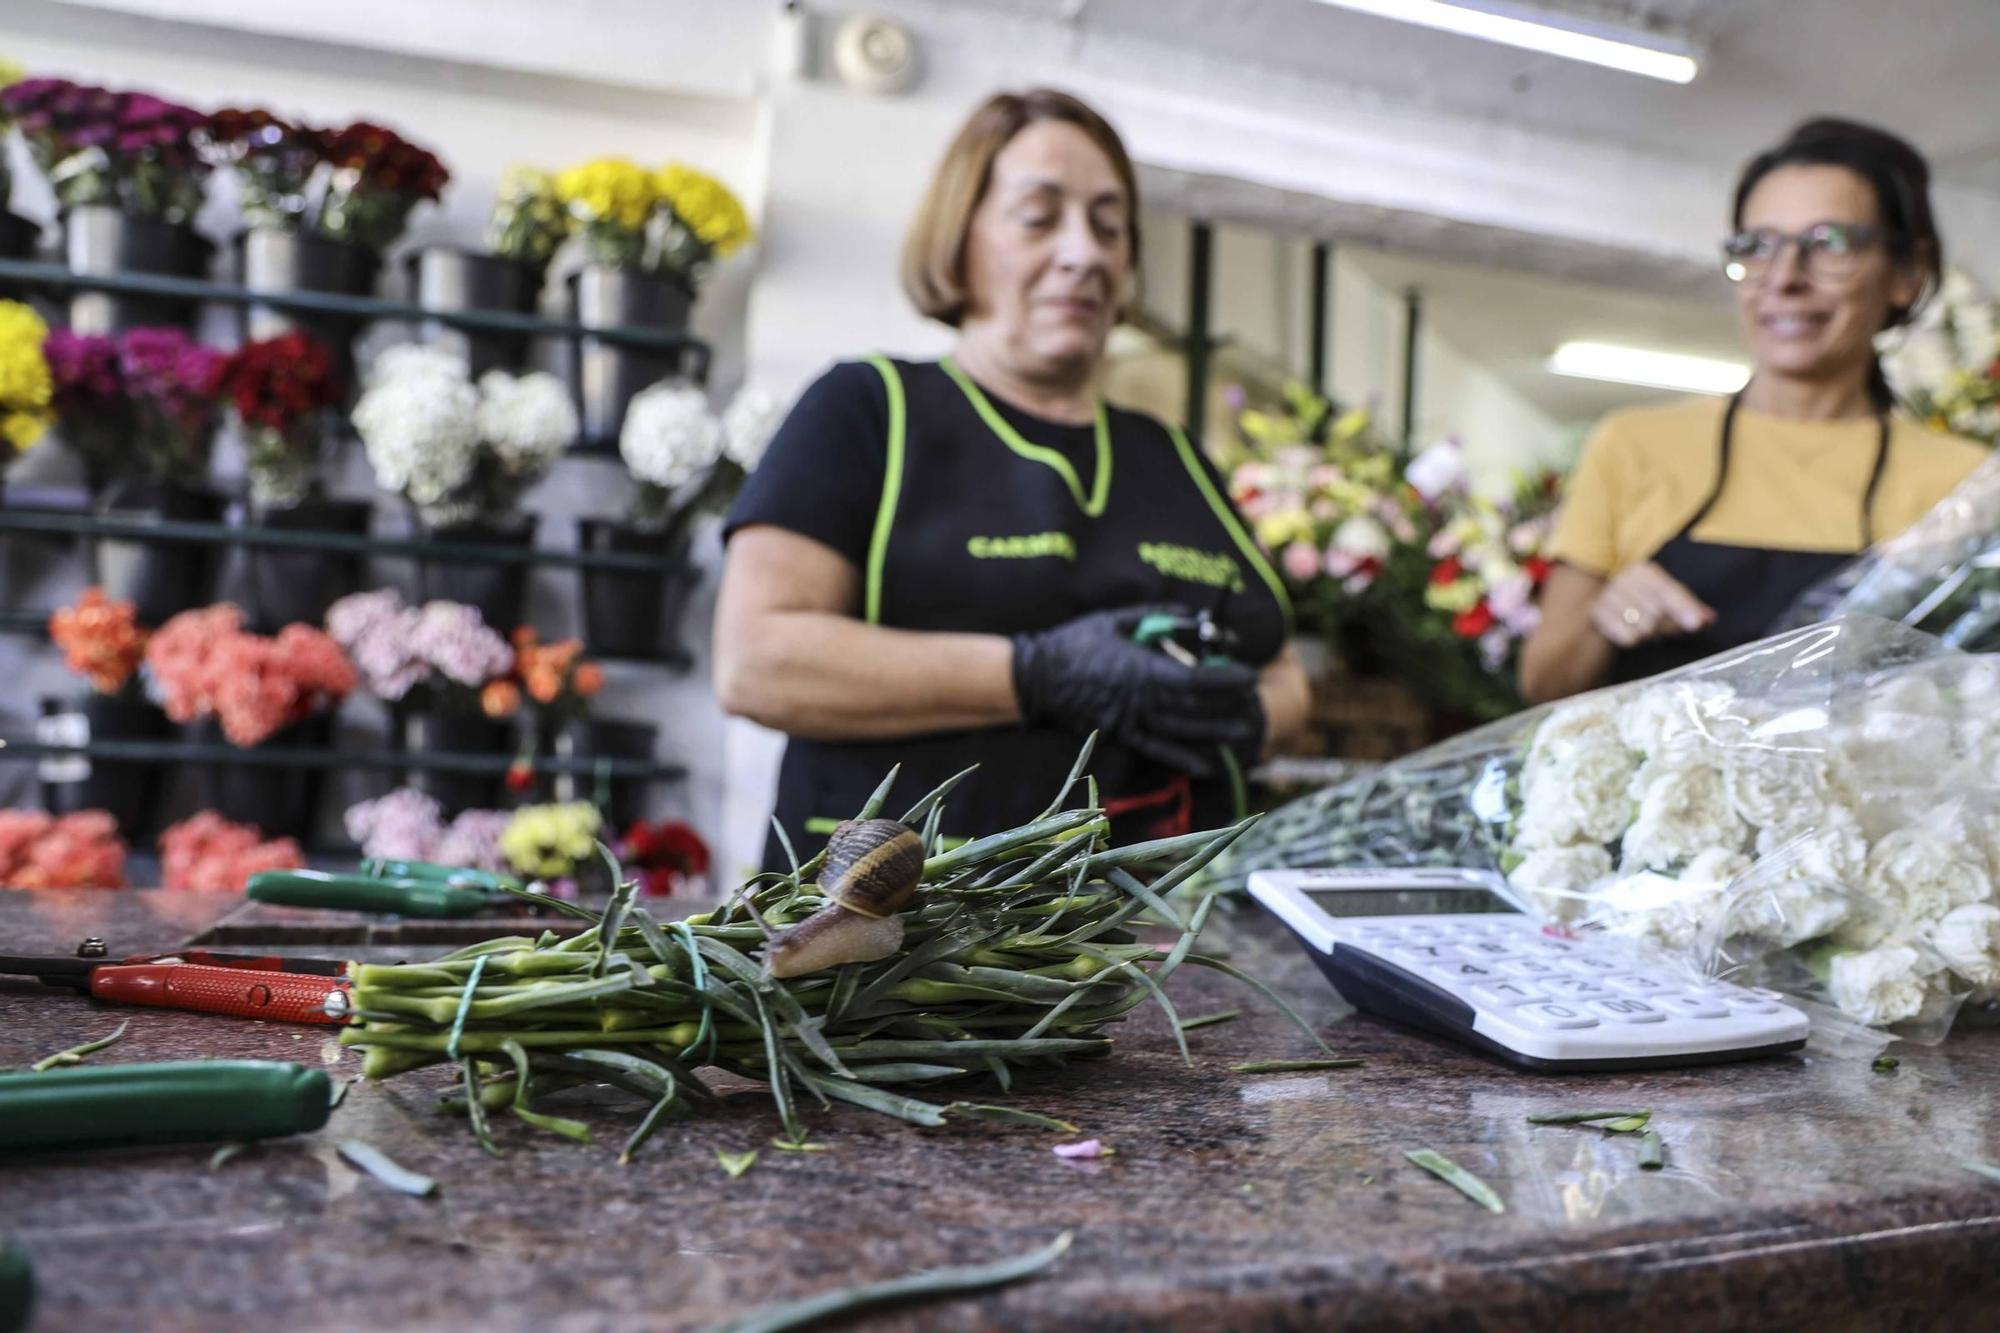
x=1792, y=485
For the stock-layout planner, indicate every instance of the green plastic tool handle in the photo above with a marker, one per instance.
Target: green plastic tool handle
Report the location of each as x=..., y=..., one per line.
x=17, y=1288
x=463, y=876
x=188, y=1101
x=1156, y=626
x=363, y=893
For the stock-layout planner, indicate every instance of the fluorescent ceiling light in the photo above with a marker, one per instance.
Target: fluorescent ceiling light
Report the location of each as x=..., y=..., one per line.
x=1573, y=38
x=1655, y=370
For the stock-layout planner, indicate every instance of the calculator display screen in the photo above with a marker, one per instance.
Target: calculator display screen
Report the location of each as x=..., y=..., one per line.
x=1426, y=901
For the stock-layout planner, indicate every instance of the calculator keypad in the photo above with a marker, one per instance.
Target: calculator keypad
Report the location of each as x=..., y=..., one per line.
x=1549, y=983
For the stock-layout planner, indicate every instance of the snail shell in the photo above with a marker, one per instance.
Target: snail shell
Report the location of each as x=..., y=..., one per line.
x=872, y=868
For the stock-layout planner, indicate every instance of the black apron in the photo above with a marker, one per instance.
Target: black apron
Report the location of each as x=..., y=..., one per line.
x=1749, y=587
x=980, y=530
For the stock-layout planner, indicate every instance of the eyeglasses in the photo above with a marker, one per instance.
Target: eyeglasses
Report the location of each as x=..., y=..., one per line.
x=1828, y=251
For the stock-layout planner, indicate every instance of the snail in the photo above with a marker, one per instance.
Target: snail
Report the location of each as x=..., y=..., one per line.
x=872, y=868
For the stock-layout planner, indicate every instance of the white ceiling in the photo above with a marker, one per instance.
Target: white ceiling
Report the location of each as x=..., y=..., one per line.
x=1922, y=67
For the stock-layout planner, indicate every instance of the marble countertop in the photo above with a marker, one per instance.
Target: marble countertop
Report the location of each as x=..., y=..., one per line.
x=1801, y=1191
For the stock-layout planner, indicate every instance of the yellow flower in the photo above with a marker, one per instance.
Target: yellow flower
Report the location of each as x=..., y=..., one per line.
x=10, y=73
x=1350, y=426
x=1457, y=596
x=550, y=840
x=25, y=387
x=611, y=190
x=1276, y=531
x=705, y=206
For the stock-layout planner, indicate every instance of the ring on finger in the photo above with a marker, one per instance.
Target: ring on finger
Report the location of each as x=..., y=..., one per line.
x=1632, y=615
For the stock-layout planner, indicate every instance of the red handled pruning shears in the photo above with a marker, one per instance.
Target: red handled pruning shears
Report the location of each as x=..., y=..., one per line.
x=285, y=990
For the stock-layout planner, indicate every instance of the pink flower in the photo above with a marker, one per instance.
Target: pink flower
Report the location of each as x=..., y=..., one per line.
x=1087, y=1148
x=1513, y=603
x=1301, y=561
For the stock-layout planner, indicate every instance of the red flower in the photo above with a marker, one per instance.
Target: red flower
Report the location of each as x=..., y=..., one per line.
x=662, y=855
x=1448, y=570
x=520, y=775
x=1471, y=624
x=1537, y=569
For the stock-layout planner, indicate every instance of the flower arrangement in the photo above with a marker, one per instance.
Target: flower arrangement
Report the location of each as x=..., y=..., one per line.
x=88, y=395
x=138, y=404
x=407, y=825
x=443, y=650
x=550, y=842
x=1396, y=563
x=610, y=199
x=126, y=149
x=278, y=388
x=455, y=450
x=685, y=458
x=100, y=640
x=26, y=387
x=702, y=222
x=529, y=220
x=1948, y=365
x=663, y=856
x=208, y=852
x=202, y=663
x=273, y=160
x=375, y=178
x=557, y=680
x=77, y=851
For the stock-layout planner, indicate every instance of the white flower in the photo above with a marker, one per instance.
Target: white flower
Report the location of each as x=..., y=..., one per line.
x=419, y=425
x=1683, y=811
x=1879, y=986
x=670, y=438
x=747, y=427
x=1656, y=716
x=1558, y=879
x=1775, y=788
x=527, y=420
x=1787, y=912
x=1968, y=938
x=1717, y=865
x=1574, y=791
x=1438, y=469
x=1362, y=537
x=1918, y=874
x=1593, y=717
x=416, y=361
x=1829, y=850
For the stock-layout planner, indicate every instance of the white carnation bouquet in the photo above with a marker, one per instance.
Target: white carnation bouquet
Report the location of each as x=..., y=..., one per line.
x=1816, y=812
x=687, y=459
x=456, y=450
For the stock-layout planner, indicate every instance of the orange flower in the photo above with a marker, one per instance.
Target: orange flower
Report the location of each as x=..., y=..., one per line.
x=588, y=680
x=524, y=637
x=499, y=699
x=564, y=653
x=100, y=640
x=544, y=683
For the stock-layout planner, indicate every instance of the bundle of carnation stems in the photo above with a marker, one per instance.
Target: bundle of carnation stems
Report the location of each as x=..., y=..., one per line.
x=1013, y=952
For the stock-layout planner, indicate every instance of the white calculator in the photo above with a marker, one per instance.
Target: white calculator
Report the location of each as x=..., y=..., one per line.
x=1449, y=951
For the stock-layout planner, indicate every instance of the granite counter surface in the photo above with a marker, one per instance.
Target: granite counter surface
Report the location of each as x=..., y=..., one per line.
x=1800, y=1191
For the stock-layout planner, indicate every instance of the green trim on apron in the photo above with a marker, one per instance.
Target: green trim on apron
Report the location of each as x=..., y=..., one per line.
x=1228, y=518
x=1100, y=490
x=892, y=486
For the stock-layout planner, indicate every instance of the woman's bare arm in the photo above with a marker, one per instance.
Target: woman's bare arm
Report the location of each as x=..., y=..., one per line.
x=1286, y=694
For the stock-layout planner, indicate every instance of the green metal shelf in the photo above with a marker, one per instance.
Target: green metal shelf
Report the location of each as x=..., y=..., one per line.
x=430, y=761
x=58, y=277
x=52, y=523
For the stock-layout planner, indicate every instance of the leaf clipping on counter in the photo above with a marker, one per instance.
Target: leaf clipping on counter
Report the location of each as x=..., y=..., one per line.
x=1986, y=1169
x=736, y=1163
x=1582, y=1117
x=339, y=1093
x=917, y=1286
x=1885, y=1063
x=1652, y=1151
x=1631, y=1124
x=226, y=1153
x=1010, y=1114
x=374, y=1162
x=1210, y=1020
x=75, y=1054
x=1292, y=1066
x=1460, y=1179
x=786, y=1145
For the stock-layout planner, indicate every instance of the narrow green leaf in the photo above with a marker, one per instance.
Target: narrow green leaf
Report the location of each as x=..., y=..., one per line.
x=1292, y=1066
x=1985, y=1169
x=1581, y=1117
x=464, y=1006
x=1210, y=1020
x=475, y=1107
x=934, y=799
x=75, y=1054
x=668, y=1100
x=736, y=1163
x=1011, y=1114
x=784, y=1145
x=917, y=1286
x=1629, y=1125
x=224, y=1154
x=376, y=1163
x=1460, y=1179
x=1203, y=960
x=523, y=1077
x=1075, y=772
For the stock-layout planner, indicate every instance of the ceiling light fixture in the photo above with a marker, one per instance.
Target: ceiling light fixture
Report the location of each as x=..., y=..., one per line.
x=1654, y=370
x=1572, y=37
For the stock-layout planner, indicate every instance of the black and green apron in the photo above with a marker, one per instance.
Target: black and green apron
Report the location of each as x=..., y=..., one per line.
x=981, y=530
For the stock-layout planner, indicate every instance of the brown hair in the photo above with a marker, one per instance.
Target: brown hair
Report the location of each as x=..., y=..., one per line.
x=934, y=251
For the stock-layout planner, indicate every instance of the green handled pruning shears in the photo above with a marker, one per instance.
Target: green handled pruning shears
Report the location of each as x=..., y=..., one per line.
x=404, y=888
x=1194, y=640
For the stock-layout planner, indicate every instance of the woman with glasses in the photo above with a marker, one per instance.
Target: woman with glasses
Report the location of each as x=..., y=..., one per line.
x=1689, y=528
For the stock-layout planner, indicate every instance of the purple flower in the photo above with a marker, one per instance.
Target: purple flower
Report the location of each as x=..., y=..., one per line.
x=452, y=638
x=171, y=373
x=473, y=840
x=405, y=825
x=85, y=369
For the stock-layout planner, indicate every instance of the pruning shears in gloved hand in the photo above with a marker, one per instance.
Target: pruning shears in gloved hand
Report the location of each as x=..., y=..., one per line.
x=1201, y=639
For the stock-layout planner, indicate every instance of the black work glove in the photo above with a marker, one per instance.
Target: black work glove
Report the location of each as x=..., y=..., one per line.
x=1087, y=675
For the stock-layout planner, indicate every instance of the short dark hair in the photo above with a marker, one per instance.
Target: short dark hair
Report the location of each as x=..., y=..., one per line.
x=1895, y=170
x=934, y=250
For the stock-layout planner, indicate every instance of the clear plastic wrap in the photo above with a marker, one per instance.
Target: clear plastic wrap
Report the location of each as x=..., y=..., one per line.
x=1814, y=812
x=1942, y=574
